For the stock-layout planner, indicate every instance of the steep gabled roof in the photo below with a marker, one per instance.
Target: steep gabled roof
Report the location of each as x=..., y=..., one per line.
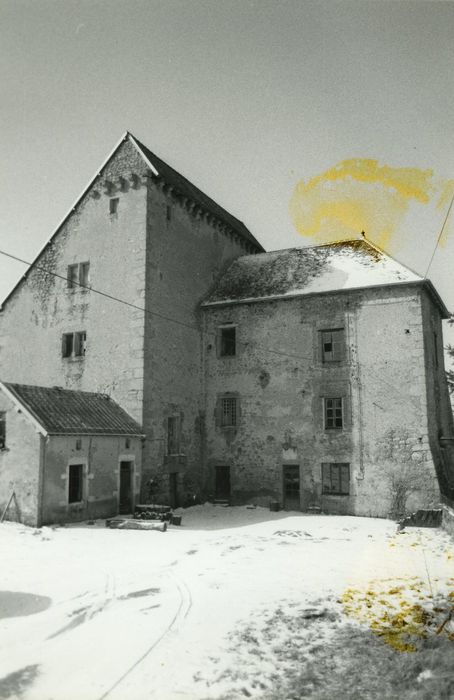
x=159, y=169
x=187, y=189
x=66, y=412
x=339, y=266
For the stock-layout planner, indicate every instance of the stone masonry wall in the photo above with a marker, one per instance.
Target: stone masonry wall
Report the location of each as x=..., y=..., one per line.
x=281, y=382
x=186, y=251
x=19, y=465
x=42, y=308
x=100, y=456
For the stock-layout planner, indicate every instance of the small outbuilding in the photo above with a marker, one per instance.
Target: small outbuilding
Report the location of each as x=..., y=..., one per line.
x=66, y=455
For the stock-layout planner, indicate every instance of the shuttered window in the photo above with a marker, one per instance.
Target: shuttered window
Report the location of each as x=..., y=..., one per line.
x=336, y=478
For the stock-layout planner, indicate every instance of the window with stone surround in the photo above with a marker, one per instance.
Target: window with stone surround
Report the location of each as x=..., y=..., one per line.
x=228, y=411
x=334, y=414
x=335, y=478
x=74, y=344
x=75, y=483
x=78, y=275
x=227, y=341
x=113, y=205
x=333, y=345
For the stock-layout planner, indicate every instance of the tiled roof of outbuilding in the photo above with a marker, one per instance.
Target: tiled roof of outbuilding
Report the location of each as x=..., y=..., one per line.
x=66, y=412
x=309, y=270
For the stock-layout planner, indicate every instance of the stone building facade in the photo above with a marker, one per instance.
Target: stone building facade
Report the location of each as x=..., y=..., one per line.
x=143, y=234
x=152, y=293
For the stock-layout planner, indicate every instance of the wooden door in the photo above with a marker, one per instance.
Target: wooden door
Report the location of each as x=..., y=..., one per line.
x=222, y=485
x=125, y=499
x=292, y=490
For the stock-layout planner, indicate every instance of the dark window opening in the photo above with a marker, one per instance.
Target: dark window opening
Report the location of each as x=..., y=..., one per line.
x=168, y=213
x=78, y=444
x=332, y=345
x=333, y=413
x=72, y=276
x=228, y=412
x=228, y=341
x=78, y=275
x=75, y=484
x=67, y=344
x=74, y=344
x=2, y=430
x=173, y=435
x=436, y=349
x=80, y=341
x=336, y=478
x=113, y=205
x=127, y=443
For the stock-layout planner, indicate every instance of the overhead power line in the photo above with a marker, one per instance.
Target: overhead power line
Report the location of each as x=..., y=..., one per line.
x=439, y=236
x=192, y=327
x=98, y=291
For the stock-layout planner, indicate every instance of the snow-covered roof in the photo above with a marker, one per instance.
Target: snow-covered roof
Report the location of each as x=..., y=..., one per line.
x=343, y=265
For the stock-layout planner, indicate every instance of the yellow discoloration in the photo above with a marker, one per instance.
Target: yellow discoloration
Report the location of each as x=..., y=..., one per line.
x=397, y=615
x=361, y=195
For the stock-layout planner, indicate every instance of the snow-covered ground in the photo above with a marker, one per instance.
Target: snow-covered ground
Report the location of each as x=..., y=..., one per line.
x=144, y=614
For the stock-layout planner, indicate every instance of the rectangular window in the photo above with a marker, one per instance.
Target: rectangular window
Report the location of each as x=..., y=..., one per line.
x=336, y=478
x=75, y=483
x=83, y=273
x=113, y=205
x=436, y=349
x=173, y=435
x=333, y=414
x=67, y=344
x=333, y=345
x=80, y=341
x=77, y=275
x=2, y=430
x=73, y=276
x=74, y=344
x=229, y=412
x=227, y=340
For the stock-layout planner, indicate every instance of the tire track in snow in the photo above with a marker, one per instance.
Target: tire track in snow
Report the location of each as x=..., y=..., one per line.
x=183, y=609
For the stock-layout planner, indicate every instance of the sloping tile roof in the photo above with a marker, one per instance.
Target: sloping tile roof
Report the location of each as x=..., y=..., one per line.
x=66, y=412
x=298, y=271
x=187, y=189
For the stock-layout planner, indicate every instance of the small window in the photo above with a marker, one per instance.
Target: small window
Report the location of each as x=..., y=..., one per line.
x=84, y=269
x=77, y=275
x=333, y=414
x=113, y=205
x=73, y=276
x=2, y=430
x=332, y=345
x=229, y=413
x=227, y=341
x=78, y=444
x=80, y=341
x=67, y=344
x=127, y=443
x=75, y=483
x=336, y=478
x=168, y=212
x=74, y=344
x=436, y=349
x=173, y=435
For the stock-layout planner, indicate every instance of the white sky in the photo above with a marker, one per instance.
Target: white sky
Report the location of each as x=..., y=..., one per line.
x=245, y=98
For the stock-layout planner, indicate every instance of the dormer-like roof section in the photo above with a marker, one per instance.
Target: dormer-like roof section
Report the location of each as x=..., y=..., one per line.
x=334, y=267
x=61, y=411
